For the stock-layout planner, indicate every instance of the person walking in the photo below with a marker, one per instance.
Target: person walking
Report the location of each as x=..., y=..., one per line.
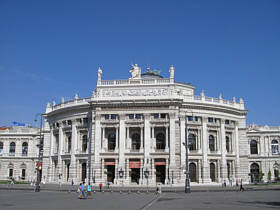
x=100, y=187
x=83, y=190
x=241, y=186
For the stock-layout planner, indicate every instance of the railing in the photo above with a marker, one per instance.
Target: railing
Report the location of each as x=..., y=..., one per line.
x=135, y=81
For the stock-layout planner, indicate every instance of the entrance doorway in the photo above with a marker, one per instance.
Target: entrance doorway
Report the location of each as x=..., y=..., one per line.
x=212, y=172
x=255, y=172
x=110, y=173
x=160, y=173
x=192, y=168
x=135, y=175
x=84, y=171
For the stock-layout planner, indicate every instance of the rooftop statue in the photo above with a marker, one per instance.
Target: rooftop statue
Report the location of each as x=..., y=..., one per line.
x=135, y=72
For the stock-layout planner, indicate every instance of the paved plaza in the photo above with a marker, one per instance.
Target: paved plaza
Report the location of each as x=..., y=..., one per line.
x=46, y=200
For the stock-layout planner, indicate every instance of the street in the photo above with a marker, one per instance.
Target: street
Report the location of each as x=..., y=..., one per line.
x=45, y=200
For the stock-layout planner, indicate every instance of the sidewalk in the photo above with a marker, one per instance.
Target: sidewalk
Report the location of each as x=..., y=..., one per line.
x=138, y=189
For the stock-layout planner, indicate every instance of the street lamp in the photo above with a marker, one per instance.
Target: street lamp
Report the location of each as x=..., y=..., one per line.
x=40, y=145
x=121, y=173
x=187, y=182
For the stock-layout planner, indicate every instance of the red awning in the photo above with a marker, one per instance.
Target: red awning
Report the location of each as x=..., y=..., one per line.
x=134, y=164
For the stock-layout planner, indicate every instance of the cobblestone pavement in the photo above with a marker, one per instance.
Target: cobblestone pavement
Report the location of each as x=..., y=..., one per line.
x=46, y=200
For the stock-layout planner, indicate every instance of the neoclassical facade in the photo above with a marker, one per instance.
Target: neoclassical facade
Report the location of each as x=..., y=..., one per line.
x=133, y=132
x=19, y=153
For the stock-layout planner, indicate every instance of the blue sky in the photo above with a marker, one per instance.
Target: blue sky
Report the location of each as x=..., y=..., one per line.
x=52, y=49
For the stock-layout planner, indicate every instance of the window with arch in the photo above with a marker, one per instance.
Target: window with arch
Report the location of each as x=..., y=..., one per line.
x=160, y=141
x=84, y=143
x=1, y=147
x=69, y=142
x=254, y=147
x=24, y=149
x=211, y=143
x=12, y=149
x=227, y=144
x=192, y=142
x=111, y=141
x=135, y=141
x=274, y=147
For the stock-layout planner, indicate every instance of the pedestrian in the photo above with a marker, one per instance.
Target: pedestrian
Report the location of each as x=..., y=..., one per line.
x=83, y=190
x=230, y=181
x=236, y=183
x=241, y=186
x=225, y=183
x=108, y=185
x=100, y=187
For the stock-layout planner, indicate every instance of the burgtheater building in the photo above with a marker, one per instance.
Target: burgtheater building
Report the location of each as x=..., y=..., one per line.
x=135, y=131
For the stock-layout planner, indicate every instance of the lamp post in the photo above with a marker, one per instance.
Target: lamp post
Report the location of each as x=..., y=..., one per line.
x=40, y=145
x=89, y=146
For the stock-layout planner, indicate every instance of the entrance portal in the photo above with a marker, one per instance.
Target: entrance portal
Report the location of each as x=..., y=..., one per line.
x=135, y=175
x=84, y=171
x=110, y=173
x=160, y=173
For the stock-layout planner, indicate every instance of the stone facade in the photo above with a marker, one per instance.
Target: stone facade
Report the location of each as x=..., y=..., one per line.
x=136, y=130
x=19, y=153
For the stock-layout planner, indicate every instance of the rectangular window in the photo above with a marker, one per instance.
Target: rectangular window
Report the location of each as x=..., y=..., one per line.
x=23, y=174
x=163, y=116
x=85, y=120
x=106, y=117
x=69, y=122
x=113, y=116
x=196, y=118
x=11, y=172
x=190, y=118
x=227, y=122
x=156, y=116
x=138, y=116
x=210, y=119
x=131, y=116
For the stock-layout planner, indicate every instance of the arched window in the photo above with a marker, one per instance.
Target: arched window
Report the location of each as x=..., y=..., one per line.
x=227, y=144
x=135, y=141
x=111, y=141
x=211, y=143
x=12, y=149
x=192, y=142
x=84, y=143
x=24, y=149
x=254, y=147
x=160, y=141
x=1, y=147
x=69, y=144
x=274, y=147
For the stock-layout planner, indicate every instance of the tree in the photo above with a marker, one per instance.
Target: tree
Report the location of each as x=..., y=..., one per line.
x=269, y=175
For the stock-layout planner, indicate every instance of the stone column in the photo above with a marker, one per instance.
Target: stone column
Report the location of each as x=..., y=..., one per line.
x=172, y=141
x=199, y=171
x=97, y=148
x=237, y=162
x=60, y=150
x=50, y=168
x=166, y=139
x=117, y=138
x=103, y=138
x=141, y=138
x=72, y=174
x=147, y=140
x=122, y=141
x=205, y=164
x=127, y=139
x=223, y=151
x=183, y=140
x=153, y=141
